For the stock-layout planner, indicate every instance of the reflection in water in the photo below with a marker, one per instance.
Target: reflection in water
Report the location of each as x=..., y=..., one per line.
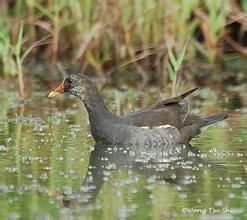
x=105, y=159
x=45, y=158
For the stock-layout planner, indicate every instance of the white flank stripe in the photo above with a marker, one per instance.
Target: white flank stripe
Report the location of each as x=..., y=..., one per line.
x=165, y=126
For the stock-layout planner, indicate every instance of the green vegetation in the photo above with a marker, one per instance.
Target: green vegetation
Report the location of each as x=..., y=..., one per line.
x=8, y=65
x=18, y=58
x=174, y=65
x=105, y=36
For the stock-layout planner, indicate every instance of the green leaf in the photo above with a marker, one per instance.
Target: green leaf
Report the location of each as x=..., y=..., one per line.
x=19, y=41
x=171, y=56
x=181, y=56
x=44, y=10
x=171, y=72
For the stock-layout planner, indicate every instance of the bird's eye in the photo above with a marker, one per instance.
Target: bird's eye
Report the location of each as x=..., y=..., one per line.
x=70, y=80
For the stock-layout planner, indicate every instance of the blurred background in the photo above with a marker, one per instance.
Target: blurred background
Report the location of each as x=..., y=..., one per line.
x=126, y=40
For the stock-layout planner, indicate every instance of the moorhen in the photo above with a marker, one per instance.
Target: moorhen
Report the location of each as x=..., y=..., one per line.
x=165, y=123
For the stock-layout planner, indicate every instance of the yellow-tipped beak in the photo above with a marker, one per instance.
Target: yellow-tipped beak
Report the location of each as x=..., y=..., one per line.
x=59, y=90
x=53, y=94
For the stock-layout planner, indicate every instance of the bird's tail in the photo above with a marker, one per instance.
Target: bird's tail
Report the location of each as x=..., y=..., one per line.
x=190, y=131
x=211, y=119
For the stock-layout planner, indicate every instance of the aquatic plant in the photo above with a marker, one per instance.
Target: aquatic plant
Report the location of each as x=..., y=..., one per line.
x=174, y=66
x=19, y=60
x=7, y=60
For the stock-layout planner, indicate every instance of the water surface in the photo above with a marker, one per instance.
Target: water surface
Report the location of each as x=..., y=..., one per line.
x=50, y=167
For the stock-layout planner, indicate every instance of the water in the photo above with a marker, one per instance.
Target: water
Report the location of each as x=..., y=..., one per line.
x=51, y=169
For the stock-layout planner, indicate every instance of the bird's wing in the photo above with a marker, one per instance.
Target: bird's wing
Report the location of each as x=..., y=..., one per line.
x=172, y=111
x=173, y=101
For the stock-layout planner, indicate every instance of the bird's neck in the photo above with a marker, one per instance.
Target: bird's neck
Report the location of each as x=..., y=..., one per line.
x=101, y=119
x=96, y=107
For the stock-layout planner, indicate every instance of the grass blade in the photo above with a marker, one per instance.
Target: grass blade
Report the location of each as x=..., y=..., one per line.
x=181, y=56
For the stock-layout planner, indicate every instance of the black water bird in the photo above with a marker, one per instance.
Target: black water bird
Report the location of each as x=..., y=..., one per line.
x=168, y=122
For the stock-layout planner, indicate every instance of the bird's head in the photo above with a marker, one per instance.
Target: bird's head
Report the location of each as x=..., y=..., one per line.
x=76, y=84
